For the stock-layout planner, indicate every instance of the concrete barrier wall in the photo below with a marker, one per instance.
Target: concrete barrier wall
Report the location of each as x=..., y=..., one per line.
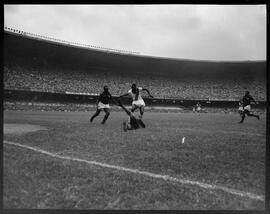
x=35, y=96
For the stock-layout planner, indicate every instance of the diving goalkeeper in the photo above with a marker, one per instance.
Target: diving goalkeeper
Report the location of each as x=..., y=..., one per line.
x=133, y=123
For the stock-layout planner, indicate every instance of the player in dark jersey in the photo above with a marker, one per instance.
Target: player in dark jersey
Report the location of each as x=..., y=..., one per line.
x=246, y=101
x=133, y=123
x=103, y=103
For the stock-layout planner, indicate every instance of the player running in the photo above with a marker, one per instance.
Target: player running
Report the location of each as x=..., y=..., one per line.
x=197, y=107
x=103, y=103
x=246, y=101
x=133, y=123
x=138, y=102
x=240, y=107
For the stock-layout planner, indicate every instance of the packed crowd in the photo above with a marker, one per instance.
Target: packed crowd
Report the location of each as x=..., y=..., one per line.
x=53, y=80
x=68, y=107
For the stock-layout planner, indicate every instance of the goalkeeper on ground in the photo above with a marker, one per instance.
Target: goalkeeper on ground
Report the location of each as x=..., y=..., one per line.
x=133, y=123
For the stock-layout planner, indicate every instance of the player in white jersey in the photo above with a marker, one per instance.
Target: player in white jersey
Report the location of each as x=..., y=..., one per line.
x=138, y=102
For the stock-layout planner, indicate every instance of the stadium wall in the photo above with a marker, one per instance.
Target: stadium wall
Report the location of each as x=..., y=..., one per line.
x=52, y=97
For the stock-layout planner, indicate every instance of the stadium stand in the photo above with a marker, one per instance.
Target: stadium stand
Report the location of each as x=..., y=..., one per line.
x=54, y=80
x=40, y=65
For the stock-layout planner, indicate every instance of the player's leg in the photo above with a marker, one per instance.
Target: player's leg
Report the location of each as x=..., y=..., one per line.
x=252, y=115
x=141, y=123
x=134, y=107
x=107, y=114
x=126, y=125
x=95, y=115
x=141, y=111
x=240, y=110
x=241, y=113
x=243, y=116
x=125, y=109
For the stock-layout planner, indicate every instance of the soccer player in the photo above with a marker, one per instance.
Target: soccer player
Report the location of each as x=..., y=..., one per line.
x=138, y=102
x=198, y=107
x=103, y=103
x=247, y=99
x=240, y=107
x=133, y=123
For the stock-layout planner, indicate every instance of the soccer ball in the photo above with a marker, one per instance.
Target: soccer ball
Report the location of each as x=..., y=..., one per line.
x=183, y=140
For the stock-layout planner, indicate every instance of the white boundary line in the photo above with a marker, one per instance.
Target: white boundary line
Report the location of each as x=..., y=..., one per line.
x=149, y=174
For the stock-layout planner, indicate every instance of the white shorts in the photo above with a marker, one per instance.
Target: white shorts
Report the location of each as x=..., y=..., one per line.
x=248, y=107
x=102, y=105
x=138, y=103
x=240, y=108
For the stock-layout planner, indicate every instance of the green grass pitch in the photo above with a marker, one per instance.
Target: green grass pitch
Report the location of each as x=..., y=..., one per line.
x=217, y=151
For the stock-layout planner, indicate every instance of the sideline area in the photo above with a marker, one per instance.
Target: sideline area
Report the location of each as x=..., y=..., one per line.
x=16, y=128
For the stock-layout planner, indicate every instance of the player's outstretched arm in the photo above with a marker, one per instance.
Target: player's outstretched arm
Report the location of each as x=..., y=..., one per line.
x=113, y=100
x=124, y=95
x=144, y=89
x=123, y=107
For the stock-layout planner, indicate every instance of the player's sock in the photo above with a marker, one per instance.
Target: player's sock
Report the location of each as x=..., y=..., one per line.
x=253, y=115
x=141, y=114
x=104, y=121
x=243, y=117
x=105, y=118
x=242, y=120
x=93, y=117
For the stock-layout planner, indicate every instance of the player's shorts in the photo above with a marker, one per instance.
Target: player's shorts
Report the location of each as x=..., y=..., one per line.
x=138, y=103
x=102, y=105
x=241, y=108
x=248, y=108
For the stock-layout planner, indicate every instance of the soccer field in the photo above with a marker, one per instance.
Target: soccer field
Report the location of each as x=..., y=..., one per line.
x=72, y=164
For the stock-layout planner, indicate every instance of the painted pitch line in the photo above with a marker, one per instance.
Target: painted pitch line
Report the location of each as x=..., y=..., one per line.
x=149, y=174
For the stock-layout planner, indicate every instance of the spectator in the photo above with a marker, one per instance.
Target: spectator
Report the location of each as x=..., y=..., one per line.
x=47, y=78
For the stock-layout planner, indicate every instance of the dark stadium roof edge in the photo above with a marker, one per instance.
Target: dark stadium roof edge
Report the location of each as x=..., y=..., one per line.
x=111, y=50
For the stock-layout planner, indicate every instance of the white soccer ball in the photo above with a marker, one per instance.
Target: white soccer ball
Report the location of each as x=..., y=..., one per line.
x=183, y=140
